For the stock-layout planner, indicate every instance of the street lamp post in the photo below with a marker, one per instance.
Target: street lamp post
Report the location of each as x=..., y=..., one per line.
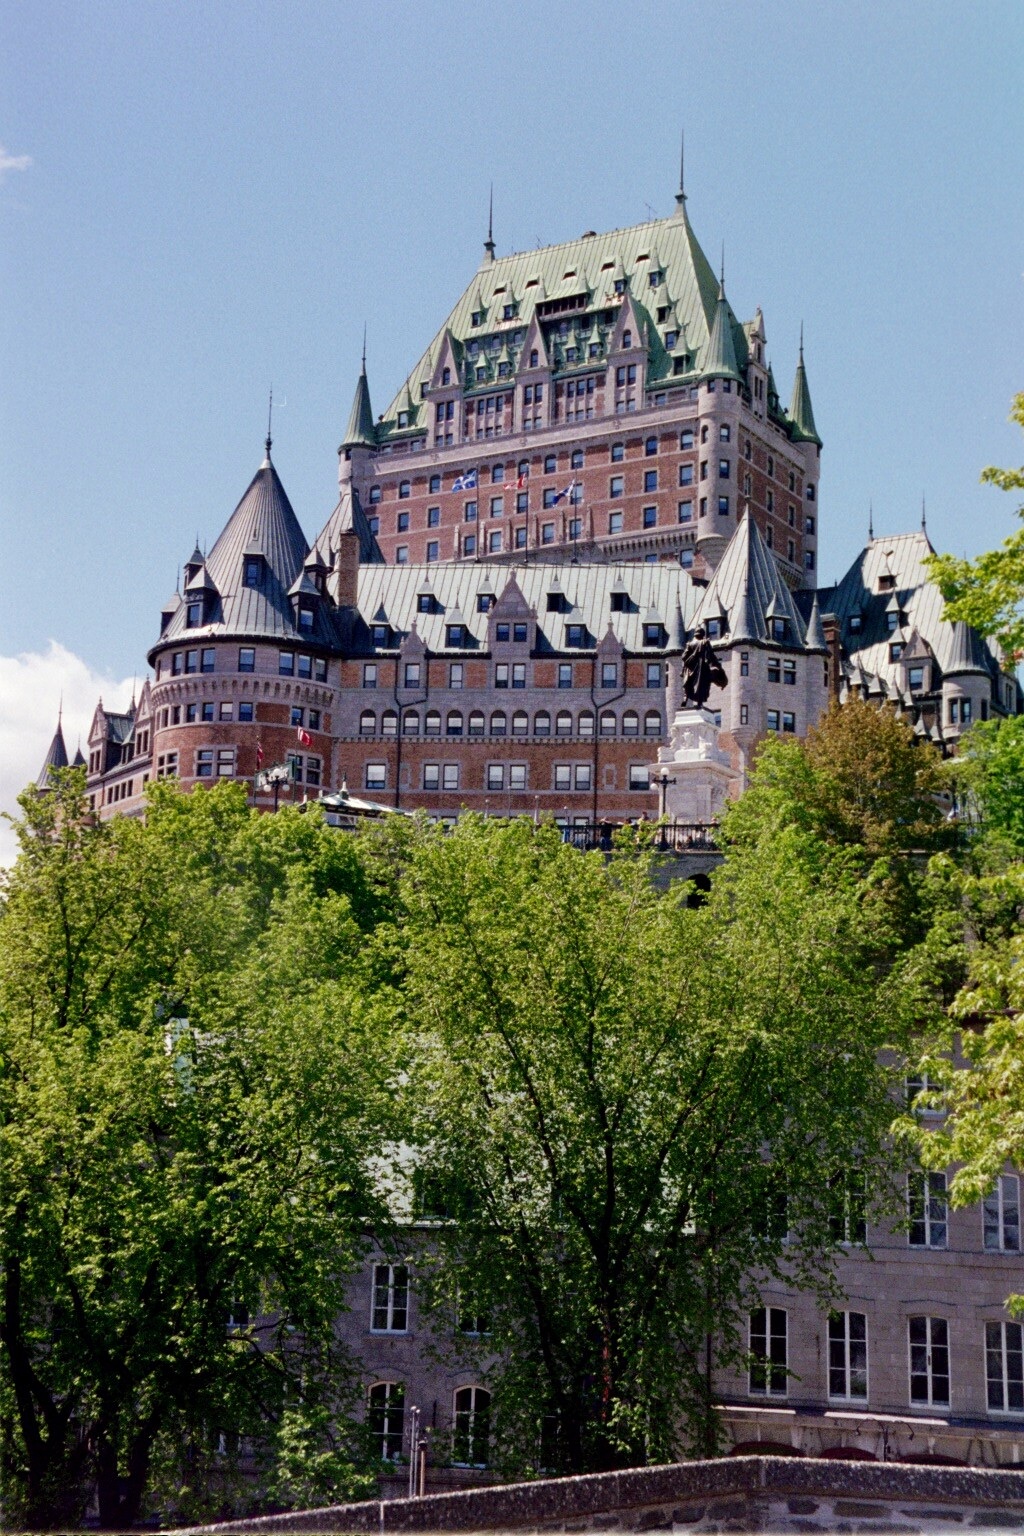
x=663, y=779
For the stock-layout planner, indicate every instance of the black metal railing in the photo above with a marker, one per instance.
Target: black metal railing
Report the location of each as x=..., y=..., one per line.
x=669, y=837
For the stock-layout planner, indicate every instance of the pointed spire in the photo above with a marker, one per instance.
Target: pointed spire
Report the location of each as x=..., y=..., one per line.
x=361, y=432
x=801, y=414
x=56, y=756
x=720, y=360
x=815, y=637
x=871, y=521
x=268, y=443
x=489, y=242
x=924, y=516
x=681, y=194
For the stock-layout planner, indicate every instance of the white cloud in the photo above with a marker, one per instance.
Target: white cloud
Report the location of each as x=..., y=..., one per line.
x=31, y=687
x=13, y=162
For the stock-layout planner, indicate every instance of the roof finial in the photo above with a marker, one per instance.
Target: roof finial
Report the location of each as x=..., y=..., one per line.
x=721, y=275
x=924, y=516
x=489, y=242
x=871, y=520
x=269, y=440
x=364, y=346
x=60, y=708
x=681, y=194
x=801, y=341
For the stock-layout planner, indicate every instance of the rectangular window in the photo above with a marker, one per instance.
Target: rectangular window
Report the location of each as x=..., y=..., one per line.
x=206, y=660
x=847, y=1221
x=788, y=723
x=191, y=661
x=1001, y=1215
x=456, y=674
x=609, y=674
x=286, y=663
x=773, y=719
x=207, y=710
x=547, y=533
x=615, y=522
x=769, y=1376
x=929, y=1360
x=204, y=763
x=650, y=480
x=565, y=674
x=403, y=522
x=369, y=674
x=789, y=672
x=774, y=669
x=744, y=714
x=433, y=549
x=686, y=511
x=451, y=776
x=501, y=674
x=563, y=776
x=517, y=776
x=723, y=507
x=686, y=474
x=495, y=775
x=582, y=776
x=245, y=710
x=412, y=674
x=616, y=486
x=376, y=775
x=1004, y=1367
x=848, y=1355
x=390, y=1310
x=723, y=469
x=518, y=674
x=639, y=776
x=431, y=775
x=650, y=517
x=225, y=762
x=927, y=1208
x=654, y=674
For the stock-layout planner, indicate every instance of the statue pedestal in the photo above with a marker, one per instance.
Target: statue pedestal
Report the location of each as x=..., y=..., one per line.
x=702, y=771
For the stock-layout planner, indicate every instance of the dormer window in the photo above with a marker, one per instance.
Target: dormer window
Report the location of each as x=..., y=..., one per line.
x=194, y=615
x=251, y=573
x=671, y=337
x=403, y=418
x=627, y=338
x=653, y=634
x=778, y=629
x=380, y=634
x=508, y=311
x=915, y=679
x=575, y=635
x=656, y=278
x=446, y=376
x=485, y=601
x=887, y=582
x=554, y=602
x=715, y=629
x=896, y=650
x=477, y=317
x=534, y=358
x=620, y=288
x=424, y=603
x=456, y=635
x=618, y=602
x=306, y=618
x=856, y=623
x=892, y=621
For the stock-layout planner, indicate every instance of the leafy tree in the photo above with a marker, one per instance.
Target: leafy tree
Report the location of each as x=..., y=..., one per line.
x=625, y=1103
x=988, y=592
x=190, y=1083
x=989, y=772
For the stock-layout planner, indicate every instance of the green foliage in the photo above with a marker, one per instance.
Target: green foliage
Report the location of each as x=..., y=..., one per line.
x=990, y=777
x=190, y=1081
x=988, y=592
x=615, y=1091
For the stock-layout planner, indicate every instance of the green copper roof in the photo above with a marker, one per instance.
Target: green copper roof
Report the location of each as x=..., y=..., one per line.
x=719, y=361
x=360, y=431
x=801, y=414
x=587, y=269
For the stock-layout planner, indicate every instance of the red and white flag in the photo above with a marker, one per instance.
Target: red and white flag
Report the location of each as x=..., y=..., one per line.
x=305, y=739
x=259, y=754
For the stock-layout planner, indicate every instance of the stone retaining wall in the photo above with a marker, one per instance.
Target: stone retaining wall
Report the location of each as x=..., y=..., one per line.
x=750, y=1493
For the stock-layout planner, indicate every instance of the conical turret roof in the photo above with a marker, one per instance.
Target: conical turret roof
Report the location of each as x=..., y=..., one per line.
x=348, y=517
x=720, y=359
x=56, y=757
x=748, y=586
x=967, y=652
x=801, y=414
x=360, y=432
x=815, y=640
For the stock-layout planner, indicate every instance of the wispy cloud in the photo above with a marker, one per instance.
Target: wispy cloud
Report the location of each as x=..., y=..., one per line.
x=10, y=162
x=31, y=688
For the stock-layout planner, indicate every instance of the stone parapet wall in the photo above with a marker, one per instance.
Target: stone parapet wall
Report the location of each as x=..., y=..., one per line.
x=755, y=1493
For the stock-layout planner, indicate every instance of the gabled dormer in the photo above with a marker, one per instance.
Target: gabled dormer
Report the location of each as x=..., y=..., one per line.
x=511, y=620
x=194, y=563
x=610, y=673
x=305, y=597
x=201, y=599
x=447, y=372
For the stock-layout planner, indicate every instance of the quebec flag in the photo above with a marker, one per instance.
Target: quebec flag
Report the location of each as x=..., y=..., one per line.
x=466, y=482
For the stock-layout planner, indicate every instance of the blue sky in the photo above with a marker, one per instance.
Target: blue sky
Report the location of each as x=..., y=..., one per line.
x=220, y=195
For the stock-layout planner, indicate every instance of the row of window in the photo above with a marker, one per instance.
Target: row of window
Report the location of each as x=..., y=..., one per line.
x=928, y=1213
x=928, y=1359
x=227, y=710
x=413, y=674
x=456, y=724
x=508, y=776
x=289, y=663
x=471, y=1426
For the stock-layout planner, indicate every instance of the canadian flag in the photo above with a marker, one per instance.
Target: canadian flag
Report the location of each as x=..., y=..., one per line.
x=259, y=755
x=305, y=739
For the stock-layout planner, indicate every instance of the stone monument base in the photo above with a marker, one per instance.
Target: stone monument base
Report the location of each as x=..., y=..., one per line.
x=698, y=775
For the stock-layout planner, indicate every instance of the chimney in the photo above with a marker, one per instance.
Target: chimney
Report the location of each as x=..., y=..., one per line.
x=830, y=629
x=346, y=568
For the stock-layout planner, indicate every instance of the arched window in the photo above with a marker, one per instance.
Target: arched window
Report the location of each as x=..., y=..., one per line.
x=520, y=723
x=367, y=723
x=432, y=724
x=476, y=722
x=389, y=723
x=586, y=723
x=411, y=722
x=454, y=722
x=607, y=722
x=385, y=1413
x=472, y=1427
x=652, y=723
x=499, y=723
x=631, y=723
x=563, y=723
x=542, y=723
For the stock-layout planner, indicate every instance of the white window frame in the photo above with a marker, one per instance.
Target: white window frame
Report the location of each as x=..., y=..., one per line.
x=1000, y=1216
x=928, y=1209
x=936, y=1332
x=848, y=1357
x=386, y=1419
x=768, y=1373
x=389, y=1299
x=467, y=1429
x=1004, y=1343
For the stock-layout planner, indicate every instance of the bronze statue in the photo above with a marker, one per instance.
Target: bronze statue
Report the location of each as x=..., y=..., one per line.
x=701, y=667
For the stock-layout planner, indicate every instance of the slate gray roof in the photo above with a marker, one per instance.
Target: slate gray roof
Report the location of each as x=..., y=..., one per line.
x=262, y=524
x=748, y=589
x=56, y=757
x=954, y=647
x=389, y=594
x=349, y=514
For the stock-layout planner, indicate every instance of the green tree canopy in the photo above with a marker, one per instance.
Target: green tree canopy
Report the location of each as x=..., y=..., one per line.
x=988, y=592
x=627, y=1103
x=190, y=1087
